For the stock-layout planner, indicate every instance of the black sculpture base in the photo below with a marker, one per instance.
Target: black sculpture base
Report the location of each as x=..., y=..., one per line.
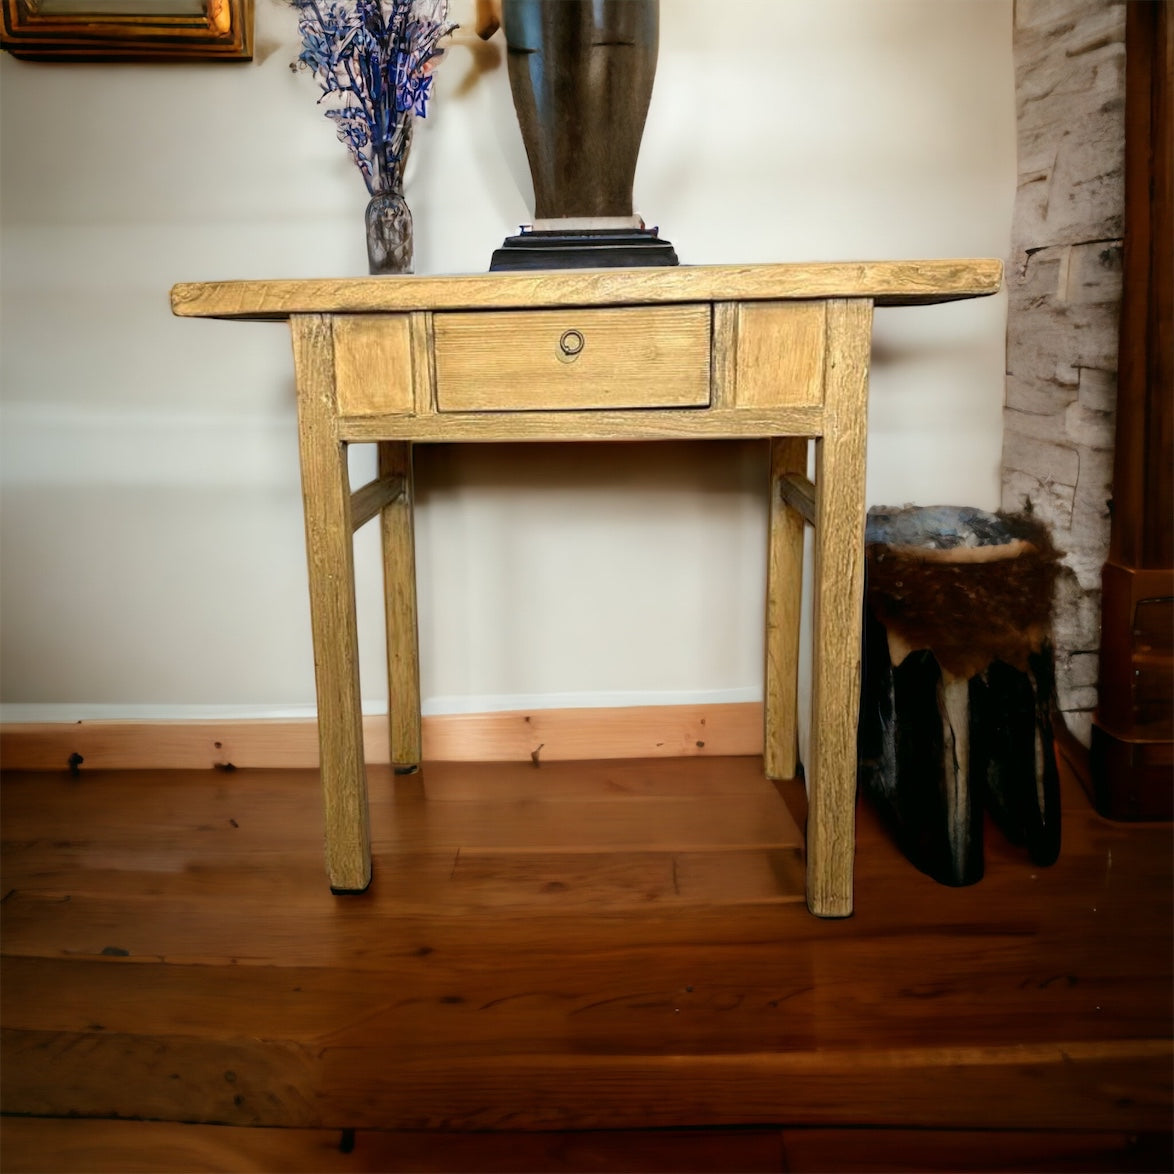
x=583, y=249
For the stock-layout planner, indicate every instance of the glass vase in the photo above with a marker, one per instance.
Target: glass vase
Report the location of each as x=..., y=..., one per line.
x=389, y=233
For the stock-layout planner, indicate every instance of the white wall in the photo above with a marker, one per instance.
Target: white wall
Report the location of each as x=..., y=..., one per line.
x=151, y=558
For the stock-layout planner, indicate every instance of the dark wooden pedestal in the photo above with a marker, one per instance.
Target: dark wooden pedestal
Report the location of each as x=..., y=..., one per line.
x=1132, y=759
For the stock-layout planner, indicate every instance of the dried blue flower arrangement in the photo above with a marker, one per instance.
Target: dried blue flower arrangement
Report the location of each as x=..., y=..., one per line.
x=374, y=62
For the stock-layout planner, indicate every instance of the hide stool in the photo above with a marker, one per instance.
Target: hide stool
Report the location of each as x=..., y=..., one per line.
x=959, y=684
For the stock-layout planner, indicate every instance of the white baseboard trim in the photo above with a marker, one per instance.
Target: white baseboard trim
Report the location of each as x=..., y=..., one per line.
x=644, y=731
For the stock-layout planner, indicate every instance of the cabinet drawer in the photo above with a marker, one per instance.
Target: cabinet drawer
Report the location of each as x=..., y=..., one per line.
x=539, y=360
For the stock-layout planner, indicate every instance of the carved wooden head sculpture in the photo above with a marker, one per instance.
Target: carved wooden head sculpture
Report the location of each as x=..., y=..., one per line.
x=581, y=74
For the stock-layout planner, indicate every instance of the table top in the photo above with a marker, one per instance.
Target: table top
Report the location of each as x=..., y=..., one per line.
x=887, y=283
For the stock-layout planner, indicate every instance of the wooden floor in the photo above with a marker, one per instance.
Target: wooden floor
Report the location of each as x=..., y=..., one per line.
x=609, y=966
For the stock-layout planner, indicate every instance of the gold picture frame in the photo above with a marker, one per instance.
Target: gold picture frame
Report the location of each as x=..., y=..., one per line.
x=128, y=30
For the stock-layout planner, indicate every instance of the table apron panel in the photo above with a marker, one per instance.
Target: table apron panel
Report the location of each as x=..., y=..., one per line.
x=654, y=424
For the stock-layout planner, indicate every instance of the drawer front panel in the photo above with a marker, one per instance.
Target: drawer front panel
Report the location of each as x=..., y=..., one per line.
x=542, y=360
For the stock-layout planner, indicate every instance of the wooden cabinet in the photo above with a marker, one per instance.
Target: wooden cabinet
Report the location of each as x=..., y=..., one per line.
x=1133, y=733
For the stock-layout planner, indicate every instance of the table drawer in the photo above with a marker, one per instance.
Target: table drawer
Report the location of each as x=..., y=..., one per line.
x=539, y=360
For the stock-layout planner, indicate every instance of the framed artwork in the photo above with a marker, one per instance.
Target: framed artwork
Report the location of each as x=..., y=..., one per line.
x=128, y=30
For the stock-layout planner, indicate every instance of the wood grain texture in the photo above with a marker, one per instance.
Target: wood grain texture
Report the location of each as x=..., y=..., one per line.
x=1134, y=715
x=780, y=353
x=1150, y=53
x=887, y=283
x=344, y=1089
x=127, y=1147
x=961, y=791
x=635, y=424
x=568, y=947
x=573, y=358
x=784, y=593
x=838, y=609
x=373, y=363
x=327, y=504
x=57, y=1146
x=399, y=597
x=653, y=731
x=371, y=499
x=646, y=731
x=423, y=365
x=930, y=1151
x=799, y=493
x=724, y=355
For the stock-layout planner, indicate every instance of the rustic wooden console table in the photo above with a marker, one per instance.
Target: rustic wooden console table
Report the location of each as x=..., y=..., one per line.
x=772, y=351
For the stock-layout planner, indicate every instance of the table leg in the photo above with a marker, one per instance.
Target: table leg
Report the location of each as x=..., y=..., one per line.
x=839, y=605
x=784, y=589
x=330, y=555
x=399, y=592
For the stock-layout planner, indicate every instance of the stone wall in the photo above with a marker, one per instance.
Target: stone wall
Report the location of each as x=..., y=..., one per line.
x=1064, y=282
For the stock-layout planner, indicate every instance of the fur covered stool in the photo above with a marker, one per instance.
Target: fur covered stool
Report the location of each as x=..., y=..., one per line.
x=958, y=684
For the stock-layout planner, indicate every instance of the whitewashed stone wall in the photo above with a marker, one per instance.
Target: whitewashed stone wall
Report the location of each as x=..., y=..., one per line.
x=1064, y=280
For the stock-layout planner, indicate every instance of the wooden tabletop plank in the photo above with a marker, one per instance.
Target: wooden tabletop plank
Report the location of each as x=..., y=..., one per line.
x=889, y=283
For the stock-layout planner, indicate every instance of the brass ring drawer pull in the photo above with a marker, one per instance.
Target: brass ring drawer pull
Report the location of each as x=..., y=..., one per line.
x=571, y=343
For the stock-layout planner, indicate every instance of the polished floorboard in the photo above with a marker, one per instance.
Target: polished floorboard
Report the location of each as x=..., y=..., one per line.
x=576, y=966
